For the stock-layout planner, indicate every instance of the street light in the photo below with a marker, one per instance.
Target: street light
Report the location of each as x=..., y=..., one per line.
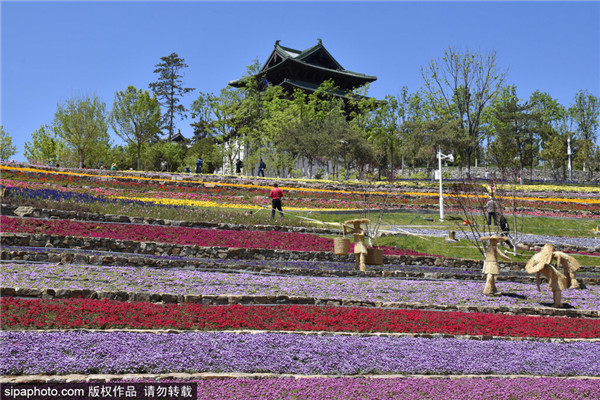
x=569, y=153
x=441, y=157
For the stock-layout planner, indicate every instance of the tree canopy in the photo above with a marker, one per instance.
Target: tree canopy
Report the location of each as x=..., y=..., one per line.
x=169, y=90
x=135, y=117
x=7, y=149
x=82, y=124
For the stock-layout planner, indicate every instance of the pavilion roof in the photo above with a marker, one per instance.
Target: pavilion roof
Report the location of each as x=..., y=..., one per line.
x=315, y=58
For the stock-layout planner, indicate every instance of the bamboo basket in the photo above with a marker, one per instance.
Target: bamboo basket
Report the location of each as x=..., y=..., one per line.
x=374, y=256
x=341, y=245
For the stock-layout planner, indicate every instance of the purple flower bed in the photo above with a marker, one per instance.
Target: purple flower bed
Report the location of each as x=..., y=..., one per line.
x=399, y=388
x=179, y=281
x=130, y=352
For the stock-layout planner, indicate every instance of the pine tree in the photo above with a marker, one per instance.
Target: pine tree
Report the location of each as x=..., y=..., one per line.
x=169, y=89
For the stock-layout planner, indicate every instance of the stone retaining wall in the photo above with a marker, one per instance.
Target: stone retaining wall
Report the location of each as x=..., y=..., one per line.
x=31, y=212
x=464, y=273
x=177, y=250
x=185, y=251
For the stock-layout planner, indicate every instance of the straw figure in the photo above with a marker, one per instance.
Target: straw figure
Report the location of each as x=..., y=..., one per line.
x=570, y=265
x=540, y=264
x=490, y=266
x=360, y=248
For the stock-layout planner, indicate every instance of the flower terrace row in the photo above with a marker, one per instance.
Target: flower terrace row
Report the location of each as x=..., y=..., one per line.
x=186, y=282
x=179, y=235
x=22, y=314
x=69, y=194
x=222, y=193
x=349, y=388
x=281, y=353
x=202, y=199
x=150, y=181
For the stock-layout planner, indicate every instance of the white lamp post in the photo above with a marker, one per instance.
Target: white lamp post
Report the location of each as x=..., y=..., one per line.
x=441, y=157
x=569, y=153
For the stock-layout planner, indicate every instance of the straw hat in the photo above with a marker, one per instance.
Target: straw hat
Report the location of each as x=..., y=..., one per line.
x=361, y=221
x=539, y=260
x=494, y=237
x=567, y=261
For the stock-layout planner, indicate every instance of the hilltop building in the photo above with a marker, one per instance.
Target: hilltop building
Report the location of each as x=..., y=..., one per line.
x=306, y=70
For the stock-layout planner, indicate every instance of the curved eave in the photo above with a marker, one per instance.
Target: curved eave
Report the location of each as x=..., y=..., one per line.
x=338, y=93
x=345, y=72
x=238, y=83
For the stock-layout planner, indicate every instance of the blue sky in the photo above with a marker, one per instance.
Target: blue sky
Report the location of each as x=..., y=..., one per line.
x=52, y=51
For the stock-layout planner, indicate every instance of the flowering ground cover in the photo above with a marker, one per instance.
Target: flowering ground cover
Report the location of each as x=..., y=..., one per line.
x=128, y=352
x=252, y=195
x=22, y=314
x=205, y=345
x=142, y=181
x=179, y=235
x=177, y=281
x=399, y=388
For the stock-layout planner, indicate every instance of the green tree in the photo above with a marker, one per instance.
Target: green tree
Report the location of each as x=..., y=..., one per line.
x=311, y=126
x=382, y=127
x=135, y=117
x=552, y=127
x=173, y=153
x=459, y=86
x=204, y=110
x=169, y=89
x=549, y=115
x=224, y=127
x=294, y=127
x=7, y=150
x=45, y=147
x=251, y=113
x=82, y=124
x=211, y=155
x=429, y=136
x=514, y=131
x=585, y=111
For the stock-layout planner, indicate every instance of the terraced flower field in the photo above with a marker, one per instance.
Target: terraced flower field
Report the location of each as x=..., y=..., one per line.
x=288, y=320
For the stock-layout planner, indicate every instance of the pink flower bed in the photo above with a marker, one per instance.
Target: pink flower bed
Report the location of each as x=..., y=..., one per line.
x=179, y=235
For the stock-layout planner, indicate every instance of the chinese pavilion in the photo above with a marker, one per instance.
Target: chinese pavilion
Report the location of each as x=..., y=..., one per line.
x=306, y=70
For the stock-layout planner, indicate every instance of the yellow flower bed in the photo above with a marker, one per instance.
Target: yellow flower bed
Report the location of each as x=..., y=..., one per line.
x=201, y=203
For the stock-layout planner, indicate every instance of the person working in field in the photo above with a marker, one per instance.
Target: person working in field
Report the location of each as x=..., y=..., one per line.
x=276, y=195
x=492, y=208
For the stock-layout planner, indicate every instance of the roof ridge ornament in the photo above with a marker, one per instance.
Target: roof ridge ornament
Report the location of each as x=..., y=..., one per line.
x=320, y=41
x=277, y=43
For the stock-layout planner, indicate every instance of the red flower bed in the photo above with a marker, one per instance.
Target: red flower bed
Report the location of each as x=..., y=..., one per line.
x=19, y=314
x=179, y=235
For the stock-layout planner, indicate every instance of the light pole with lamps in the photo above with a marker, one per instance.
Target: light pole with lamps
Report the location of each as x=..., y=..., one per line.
x=441, y=157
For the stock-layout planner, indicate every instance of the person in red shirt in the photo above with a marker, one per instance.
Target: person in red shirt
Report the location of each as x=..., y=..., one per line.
x=276, y=195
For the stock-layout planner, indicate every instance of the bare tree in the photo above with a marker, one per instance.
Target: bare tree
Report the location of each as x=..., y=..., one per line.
x=459, y=86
